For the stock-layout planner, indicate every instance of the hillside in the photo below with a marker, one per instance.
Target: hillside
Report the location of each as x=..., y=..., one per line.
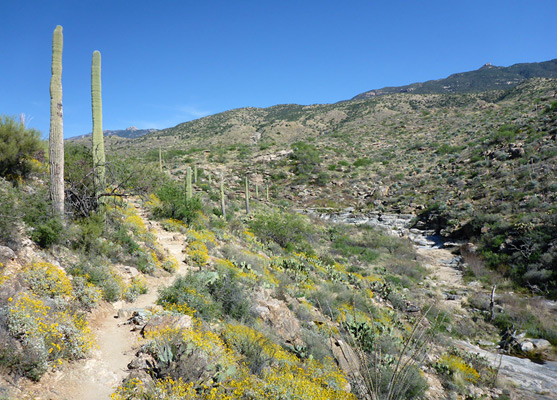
x=398, y=247
x=475, y=166
x=488, y=77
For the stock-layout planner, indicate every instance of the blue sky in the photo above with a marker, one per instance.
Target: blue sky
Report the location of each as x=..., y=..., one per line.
x=166, y=62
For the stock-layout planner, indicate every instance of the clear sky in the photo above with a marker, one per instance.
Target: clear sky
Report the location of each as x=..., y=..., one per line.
x=166, y=62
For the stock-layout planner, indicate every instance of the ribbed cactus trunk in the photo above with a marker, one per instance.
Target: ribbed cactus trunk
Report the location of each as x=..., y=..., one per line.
x=160, y=159
x=98, y=140
x=257, y=191
x=222, y=205
x=195, y=174
x=56, y=137
x=247, y=195
x=189, y=191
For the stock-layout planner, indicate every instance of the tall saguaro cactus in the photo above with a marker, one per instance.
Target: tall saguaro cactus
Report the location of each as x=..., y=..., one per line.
x=98, y=141
x=56, y=136
x=222, y=205
x=189, y=191
x=247, y=195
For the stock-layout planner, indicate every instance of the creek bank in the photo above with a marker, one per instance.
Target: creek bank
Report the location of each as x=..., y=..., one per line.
x=535, y=380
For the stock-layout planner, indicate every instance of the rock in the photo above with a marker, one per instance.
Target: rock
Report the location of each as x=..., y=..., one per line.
x=6, y=254
x=541, y=344
x=277, y=314
x=527, y=346
x=346, y=357
x=160, y=322
x=126, y=313
x=142, y=361
x=525, y=374
x=133, y=272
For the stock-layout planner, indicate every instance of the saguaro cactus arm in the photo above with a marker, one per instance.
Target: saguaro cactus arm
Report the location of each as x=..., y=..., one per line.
x=56, y=137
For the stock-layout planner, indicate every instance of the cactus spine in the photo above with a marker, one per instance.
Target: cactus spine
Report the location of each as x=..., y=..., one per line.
x=98, y=141
x=189, y=192
x=56, y=136
x=222, y=205
x=247, y=195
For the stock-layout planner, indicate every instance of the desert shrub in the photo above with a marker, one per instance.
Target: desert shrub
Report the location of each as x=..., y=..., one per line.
x=48, y=233
x=10, y=210
x=18, y=146
x=306, y=158
x=174, y=205
x=198, y=253
x=291, y=231
x=87, y=294
x=211, y=294
x=46, y=279
x=98, y=273
x=191, y=292
x=137, y=286
x=47, y=331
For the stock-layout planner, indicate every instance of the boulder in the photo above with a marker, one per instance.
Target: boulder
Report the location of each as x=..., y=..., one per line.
x=6, y=254
x=527, y=346
x=541, y=344
x=277, y=314
x=345, y=356
x=160, y=322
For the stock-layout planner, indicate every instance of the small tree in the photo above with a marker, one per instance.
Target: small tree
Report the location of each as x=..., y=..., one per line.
x=18, y=145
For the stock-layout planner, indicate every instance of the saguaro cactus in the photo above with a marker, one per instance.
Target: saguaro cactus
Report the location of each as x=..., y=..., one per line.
x=257, y=191
x=195, y=174
x=189, y=191
x=160, y=159
x=267, y=191
x=56, y=137
x=222, y=205
x=98, y=141
x=247, y=195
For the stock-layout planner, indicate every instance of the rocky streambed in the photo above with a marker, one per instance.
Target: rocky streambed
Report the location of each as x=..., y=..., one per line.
x=535, y=380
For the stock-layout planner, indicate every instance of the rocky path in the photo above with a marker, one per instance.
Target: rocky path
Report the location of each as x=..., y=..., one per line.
x=96, y=377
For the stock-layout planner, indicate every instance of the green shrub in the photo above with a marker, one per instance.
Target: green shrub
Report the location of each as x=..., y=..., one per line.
x=291, y=231
x=18, y=146
x=48, y=233
x=174, y=204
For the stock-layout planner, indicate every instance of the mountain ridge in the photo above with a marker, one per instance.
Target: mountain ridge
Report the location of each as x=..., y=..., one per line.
x=487, y=77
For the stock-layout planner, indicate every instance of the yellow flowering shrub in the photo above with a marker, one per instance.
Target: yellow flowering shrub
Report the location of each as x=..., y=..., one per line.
x=204, y=236
x=198, y=253
x=456, y=367
x=46, y=279
x=225, y=375
x=174, y=225
x=53, y=334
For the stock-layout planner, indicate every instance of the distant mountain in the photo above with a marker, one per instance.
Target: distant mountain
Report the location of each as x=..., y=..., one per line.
x=488, y=77
x=130, y=133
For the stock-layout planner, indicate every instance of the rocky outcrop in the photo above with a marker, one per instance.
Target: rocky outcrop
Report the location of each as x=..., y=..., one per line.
x=525, y=374
x=278, y=316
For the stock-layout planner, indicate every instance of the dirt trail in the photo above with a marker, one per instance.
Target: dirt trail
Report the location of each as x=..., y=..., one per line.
x=96, y=377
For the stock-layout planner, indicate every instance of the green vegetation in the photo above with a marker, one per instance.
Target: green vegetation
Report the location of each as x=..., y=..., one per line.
x=19, y=147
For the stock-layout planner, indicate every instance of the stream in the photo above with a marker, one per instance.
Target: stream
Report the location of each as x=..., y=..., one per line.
x=537, y=380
